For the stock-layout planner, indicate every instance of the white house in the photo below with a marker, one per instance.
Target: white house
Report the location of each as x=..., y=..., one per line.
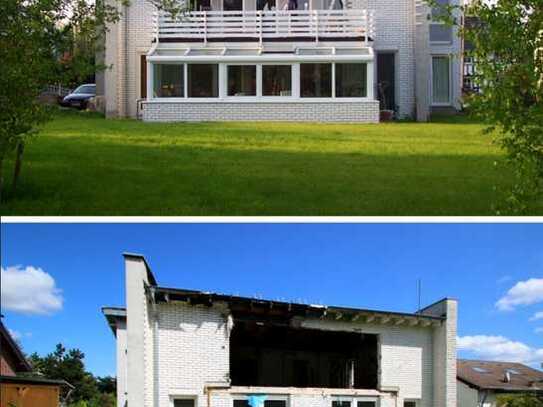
x=187, y=348
x=481, y=382
x=288, y=60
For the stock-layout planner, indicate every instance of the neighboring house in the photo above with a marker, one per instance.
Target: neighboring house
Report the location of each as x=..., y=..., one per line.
x=17, y=387
x=290, y=60
x=186, y=348
x=480, y=382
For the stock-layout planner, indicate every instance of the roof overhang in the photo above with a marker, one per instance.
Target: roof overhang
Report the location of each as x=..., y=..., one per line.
x=259, y=55
x=35, y=380
x=114, y=315
x=256, y=309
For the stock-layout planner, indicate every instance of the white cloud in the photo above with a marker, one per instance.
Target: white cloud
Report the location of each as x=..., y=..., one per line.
x=539, y=330
x=537, y=316
x=489, y=347
x=522, y=293
x=29, y=290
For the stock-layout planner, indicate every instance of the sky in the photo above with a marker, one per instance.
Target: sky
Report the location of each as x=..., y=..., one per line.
x=56, y=277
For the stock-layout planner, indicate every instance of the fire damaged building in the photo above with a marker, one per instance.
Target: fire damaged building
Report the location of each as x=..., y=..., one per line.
x=187, y=348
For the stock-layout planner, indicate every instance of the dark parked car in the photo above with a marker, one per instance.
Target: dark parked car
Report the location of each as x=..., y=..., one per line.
x=80, y=97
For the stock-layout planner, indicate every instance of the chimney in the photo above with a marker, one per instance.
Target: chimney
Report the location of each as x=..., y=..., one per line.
x=507, y=377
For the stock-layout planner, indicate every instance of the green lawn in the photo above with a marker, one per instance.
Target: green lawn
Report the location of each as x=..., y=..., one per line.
x=82, y=164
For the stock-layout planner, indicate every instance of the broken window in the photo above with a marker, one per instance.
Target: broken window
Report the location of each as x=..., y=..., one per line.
x=279, y=355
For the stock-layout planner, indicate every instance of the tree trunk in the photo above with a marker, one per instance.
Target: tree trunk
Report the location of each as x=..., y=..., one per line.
x=18, y=164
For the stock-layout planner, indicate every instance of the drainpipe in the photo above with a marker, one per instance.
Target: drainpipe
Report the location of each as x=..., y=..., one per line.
x=485, y=394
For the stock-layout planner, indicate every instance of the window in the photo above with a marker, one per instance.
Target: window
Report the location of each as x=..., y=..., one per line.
x=440, y=32
x=341, y=404
x=203, y=80
x=440, y=80
x=168, y=81
x=184, y=403
x=241, y=80
x=89, y=89
x=351, y=80
x=409, y=403
x=276, y=80
x=265, y=4
x=271, y=401
x=365, y=404
x=315, y=80
x=232, y=5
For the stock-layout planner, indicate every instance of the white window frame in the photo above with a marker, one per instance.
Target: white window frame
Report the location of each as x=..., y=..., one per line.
x=151, y=83
x=279, y=397
x=183, y=397
x=293, y=77
x=295, y=83
x=449, y=102
x=258, y=82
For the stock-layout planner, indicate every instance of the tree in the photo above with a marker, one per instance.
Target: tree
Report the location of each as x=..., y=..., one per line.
x=519, y=400
x=67, y=365
x=508, y=52
x=41, y=41
x=63, y=364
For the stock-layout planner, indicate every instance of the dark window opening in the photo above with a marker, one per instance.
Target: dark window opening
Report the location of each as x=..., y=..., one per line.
x=282, y=356
x=341, y=404
x=183, y=403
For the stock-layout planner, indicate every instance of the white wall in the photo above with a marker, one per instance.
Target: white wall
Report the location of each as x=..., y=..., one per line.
x=120, y=334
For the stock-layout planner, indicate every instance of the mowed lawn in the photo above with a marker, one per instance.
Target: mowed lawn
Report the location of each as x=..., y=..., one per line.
x=82, y=164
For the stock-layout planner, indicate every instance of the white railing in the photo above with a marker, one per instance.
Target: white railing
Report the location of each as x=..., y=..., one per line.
x=266, y=25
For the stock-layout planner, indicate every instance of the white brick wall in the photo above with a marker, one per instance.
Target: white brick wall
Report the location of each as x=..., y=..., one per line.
x=367, y=112
x=173, y=349
x=193, y=348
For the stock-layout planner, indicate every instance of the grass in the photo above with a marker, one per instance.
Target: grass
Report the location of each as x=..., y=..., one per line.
x=82, y=164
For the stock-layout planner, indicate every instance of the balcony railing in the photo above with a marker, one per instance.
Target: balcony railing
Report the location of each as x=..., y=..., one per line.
x=261, y=26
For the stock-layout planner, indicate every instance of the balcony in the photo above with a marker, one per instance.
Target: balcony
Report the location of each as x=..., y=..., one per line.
x=261, y=26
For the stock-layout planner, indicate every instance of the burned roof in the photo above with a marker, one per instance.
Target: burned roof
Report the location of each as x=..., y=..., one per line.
x=245, y=306
x=499, y=376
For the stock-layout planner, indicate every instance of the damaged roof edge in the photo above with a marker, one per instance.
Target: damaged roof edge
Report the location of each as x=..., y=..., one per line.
x=150, y=275
x=163, y=294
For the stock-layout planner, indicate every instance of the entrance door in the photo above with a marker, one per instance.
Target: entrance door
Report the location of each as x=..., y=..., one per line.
x=386, y=80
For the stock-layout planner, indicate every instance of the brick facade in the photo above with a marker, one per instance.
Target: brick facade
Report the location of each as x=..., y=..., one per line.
x=296, y=111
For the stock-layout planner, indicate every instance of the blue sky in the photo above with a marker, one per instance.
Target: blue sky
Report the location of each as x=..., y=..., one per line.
x=55, y=277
